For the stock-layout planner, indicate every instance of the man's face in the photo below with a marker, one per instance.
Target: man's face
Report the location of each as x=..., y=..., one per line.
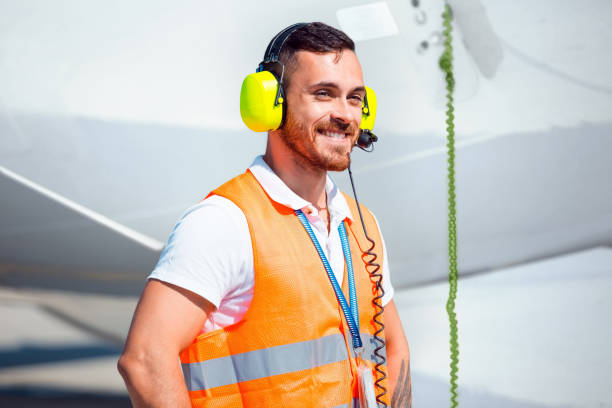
x=324, y=108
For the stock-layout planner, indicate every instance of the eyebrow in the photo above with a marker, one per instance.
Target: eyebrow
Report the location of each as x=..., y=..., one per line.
x=335, y=86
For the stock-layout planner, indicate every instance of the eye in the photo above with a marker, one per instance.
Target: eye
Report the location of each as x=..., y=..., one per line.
x=356, y=98
x=322, y=93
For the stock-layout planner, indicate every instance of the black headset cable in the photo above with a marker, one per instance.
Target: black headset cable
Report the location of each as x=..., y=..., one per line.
x=373, y=268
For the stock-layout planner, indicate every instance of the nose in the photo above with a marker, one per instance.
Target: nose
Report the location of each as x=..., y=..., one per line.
x=342, y=113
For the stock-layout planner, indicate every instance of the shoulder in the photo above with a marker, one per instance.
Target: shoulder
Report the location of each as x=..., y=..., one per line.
x=352, y=205
x=208, y=251
x=368, y=217
x=215, y=222
x=237, y=186
x=214, y=209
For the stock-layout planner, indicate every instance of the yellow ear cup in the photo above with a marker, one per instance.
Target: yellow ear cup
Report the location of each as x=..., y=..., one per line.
x=368, y=113
x=257, y=99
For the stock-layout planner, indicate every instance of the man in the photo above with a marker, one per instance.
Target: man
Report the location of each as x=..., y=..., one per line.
x=240, y=292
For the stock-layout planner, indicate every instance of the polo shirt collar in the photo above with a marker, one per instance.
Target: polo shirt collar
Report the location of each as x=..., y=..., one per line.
x=278, y=191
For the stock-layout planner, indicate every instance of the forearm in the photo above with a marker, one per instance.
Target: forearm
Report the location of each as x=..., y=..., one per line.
x=154, y=382
x=398, y=359
x=400, y=381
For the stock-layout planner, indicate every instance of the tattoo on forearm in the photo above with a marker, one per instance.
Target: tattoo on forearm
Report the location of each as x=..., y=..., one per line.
x=402, y=395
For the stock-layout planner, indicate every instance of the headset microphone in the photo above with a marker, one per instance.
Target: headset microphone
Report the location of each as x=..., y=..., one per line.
x=366, y=140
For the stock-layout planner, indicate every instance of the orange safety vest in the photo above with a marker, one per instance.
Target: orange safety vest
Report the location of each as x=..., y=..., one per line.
x=293, y=347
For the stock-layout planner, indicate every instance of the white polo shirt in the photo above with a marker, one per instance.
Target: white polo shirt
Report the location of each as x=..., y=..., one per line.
x=209, y=252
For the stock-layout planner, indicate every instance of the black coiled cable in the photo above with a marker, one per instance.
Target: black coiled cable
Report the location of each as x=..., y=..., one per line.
x=369, y=258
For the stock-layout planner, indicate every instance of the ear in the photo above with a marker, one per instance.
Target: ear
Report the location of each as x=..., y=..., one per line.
x=258, y=107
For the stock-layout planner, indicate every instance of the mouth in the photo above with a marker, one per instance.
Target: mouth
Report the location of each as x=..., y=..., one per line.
x=334, y=134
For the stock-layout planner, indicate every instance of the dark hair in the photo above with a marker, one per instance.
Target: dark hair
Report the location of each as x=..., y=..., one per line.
x=314, y=37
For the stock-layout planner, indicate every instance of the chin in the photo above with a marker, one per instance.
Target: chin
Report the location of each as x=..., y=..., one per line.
x=338, y=166
x=337, y=163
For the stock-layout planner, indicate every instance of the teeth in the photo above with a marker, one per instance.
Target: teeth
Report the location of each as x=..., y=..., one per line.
x=335, y=135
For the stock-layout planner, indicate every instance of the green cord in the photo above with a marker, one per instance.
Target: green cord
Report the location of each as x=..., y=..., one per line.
x=446, y=64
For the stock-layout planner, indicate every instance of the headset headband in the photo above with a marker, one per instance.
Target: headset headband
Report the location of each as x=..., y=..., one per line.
x=274, y=48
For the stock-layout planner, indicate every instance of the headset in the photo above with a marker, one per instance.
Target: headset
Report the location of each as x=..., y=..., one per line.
x=262, y=97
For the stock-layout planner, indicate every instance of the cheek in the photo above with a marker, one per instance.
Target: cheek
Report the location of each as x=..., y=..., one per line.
x=301, y=113
x=315, y=119
x=312, y=112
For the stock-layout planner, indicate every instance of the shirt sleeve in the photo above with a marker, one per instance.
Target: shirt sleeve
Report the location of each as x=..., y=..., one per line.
x=209, y=251
x=386, y=283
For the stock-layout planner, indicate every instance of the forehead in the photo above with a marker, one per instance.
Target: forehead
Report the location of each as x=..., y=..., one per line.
x=342, y=68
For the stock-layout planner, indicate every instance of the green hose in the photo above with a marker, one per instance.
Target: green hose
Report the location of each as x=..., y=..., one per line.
x=446, y=64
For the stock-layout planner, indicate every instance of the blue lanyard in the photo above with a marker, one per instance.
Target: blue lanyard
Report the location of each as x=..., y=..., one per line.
x=351, y=312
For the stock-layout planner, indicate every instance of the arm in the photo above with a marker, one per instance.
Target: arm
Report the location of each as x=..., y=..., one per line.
x=166, y=321
x=398, y=359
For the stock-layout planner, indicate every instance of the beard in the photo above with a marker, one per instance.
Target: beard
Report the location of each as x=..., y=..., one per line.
x=298, y=139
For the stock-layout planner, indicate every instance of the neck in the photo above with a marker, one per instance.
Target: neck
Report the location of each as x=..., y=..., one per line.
x=302, y=179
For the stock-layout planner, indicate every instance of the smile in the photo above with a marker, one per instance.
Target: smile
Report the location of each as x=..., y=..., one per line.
x=333, y=134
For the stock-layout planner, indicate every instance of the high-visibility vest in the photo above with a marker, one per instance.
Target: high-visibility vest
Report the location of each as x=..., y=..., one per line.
x=293, y=347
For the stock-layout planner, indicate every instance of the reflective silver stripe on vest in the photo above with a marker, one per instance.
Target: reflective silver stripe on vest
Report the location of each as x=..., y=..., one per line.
x=264, y=363
x=369, y=345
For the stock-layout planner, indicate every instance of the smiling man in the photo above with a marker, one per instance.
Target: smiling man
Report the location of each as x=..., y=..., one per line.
x=261, y=289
